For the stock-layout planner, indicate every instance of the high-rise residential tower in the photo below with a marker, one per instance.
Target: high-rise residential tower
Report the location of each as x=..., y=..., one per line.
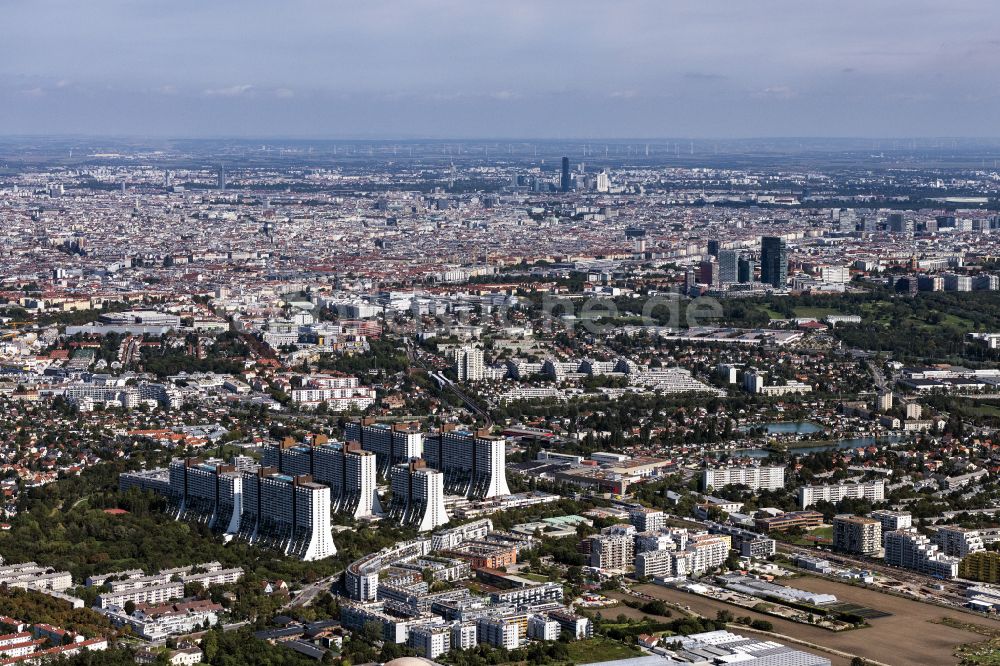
x=207, y=492
x=347, y=469
x=474, y=464
x=418, y=495
x=469, y=364
x=287, y=513
x=391, y=445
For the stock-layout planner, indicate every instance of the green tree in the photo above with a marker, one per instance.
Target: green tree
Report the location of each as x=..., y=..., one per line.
x=372, y=631
x=210, y=645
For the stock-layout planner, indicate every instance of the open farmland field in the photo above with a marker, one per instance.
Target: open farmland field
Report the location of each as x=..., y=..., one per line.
x=709, y=607
x=629, y=612
x=911, y=635
x=622, y=609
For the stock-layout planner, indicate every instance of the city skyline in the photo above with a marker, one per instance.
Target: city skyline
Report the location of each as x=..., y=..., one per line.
x=447, y=69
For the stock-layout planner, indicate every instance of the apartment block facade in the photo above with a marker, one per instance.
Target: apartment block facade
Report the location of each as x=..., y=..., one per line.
x=417, y=495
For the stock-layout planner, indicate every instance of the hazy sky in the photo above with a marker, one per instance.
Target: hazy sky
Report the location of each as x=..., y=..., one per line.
x=500, y=68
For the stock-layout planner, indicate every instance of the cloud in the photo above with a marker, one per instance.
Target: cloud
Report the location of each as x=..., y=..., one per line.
x=777, y=92
x=704, y=76
x=909, y=97
x=230, y=91
x=284, y=93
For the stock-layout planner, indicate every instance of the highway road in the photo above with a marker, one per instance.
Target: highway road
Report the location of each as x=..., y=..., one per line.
x=313, y=591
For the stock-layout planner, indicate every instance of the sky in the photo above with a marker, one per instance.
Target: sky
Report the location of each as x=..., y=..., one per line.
x=500, y=68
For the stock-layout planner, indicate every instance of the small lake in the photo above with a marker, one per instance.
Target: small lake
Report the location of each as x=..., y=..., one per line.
x=804, y=428
x=840, y=444
x=785, y=428
x=792, y=428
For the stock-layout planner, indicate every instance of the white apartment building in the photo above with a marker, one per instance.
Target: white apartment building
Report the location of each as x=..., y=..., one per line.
x=892, y=520
x=669, y=538
x=361, y=576
x=340, y=393
x=348, y=470
x=498, y=632
x=701, y=553
x=464, y=636
x=397, y=630
x=97, y=580
x=704, y=552
x=603, y=182
x=613, y=548
x=207, y=492
x=29, y=573
x=656, y=564
x=835, y=274
x=749, y=543
x=671, y=380
x=911, y=550
x=16, y=645
x=873, y=491
x=645, y=519
x=474, y=464
x=788, y=388
x=757, y=477
x=833, y=320
x=753, y=382
x=160, y=627
x=151, y=594
x=220, y=577
x=418, y=496
x=518, y=393
x=469, y=364
x=541, y=628
x=361, y=474
x=577, y=626
x=391, y=445
x=474, y=531
x=291, y=514
x=958, y=541
x=430, y=640
x=954, y=282
x=529, y=595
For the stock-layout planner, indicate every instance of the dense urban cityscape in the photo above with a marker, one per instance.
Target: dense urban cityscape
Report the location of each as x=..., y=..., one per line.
x=438, y=333
x=367, y=402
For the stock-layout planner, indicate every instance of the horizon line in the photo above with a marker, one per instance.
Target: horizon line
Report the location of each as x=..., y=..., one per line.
x=388, y=138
